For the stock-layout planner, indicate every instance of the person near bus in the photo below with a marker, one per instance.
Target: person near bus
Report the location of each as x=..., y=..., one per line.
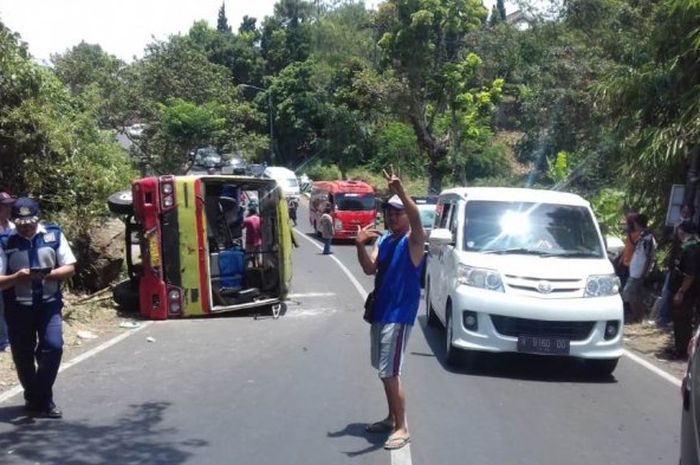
x=253, y=237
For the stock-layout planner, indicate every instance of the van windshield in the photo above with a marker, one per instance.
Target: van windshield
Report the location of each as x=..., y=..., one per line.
x=531, y=228
x=354, y=202
x=292, y=182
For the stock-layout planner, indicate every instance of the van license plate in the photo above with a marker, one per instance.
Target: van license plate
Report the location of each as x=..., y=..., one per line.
x=543, y=345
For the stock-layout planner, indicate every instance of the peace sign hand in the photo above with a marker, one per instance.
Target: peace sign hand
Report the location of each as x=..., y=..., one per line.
x=393, y=180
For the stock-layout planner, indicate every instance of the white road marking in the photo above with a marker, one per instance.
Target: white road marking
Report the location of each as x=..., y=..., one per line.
x=94, y=351
x=398, y=456
x=349, y=274
x=310, y=295
x=653, y=368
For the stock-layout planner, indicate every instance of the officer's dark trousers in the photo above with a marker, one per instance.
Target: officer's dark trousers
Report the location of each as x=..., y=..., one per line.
x=36, y=339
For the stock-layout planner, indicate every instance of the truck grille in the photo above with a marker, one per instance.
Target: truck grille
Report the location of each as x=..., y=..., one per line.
x=514, y=327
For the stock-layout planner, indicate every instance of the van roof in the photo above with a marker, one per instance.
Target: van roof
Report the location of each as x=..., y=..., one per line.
x=344, y=186
x=509, y=194
x=279, y=170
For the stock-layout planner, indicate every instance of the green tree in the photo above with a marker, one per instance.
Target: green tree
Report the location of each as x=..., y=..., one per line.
x=50, y=147
x=286, y=35
x=222, y=22
x=422, y=43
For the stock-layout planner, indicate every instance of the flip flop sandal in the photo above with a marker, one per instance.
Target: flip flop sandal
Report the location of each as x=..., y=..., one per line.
x=396, y=443
x=379, y=427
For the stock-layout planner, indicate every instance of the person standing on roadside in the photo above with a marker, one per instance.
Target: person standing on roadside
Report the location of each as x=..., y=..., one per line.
x=664, y=317
x=293, y=205
x=685, y=286
x=326, y=224
x=6, y=201
x=640, y=264
x=396, y=262
x=34, y=260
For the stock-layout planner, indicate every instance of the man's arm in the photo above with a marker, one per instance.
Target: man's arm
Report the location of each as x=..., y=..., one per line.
x=367, y=262
x=417, y=236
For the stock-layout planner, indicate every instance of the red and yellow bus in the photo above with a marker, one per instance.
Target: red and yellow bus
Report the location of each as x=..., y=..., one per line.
x=185, y=249
x=352, y=202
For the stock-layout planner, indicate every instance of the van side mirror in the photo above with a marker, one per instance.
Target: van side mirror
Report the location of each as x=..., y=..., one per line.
x=441, y=237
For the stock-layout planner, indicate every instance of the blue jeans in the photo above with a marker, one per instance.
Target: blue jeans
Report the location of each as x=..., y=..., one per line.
x=666, y=306
x=37, y=364
x=327, y=246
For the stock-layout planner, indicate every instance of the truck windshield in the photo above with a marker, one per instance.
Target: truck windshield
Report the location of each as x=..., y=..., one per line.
x=354, y=202
x=531, y=228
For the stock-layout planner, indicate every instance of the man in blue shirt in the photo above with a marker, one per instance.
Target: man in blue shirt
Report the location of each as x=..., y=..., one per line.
x=396, y=262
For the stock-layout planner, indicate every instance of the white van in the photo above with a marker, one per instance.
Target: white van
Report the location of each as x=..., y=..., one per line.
x=286, y=179
x=522, y=270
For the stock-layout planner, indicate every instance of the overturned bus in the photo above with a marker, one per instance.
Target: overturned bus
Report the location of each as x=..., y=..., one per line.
x=185, y=251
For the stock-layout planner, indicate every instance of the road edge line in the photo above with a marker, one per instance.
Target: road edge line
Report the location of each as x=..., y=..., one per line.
x=85, y=355
x=653, y=368
x=345, y=269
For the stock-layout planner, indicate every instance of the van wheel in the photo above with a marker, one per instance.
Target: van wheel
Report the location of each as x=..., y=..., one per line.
x=602, y=367
x=126, y=296
x=451, y=352
x=433, y=321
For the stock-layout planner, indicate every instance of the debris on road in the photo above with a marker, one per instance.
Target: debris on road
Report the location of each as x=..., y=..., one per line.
x=86, y=335
x=150, y=339
x=130, y=324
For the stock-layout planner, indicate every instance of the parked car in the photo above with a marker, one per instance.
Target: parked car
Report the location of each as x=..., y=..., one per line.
x=286, y=179
x=690, y=414
x=428, y=213
x=208, y=160
x=522, y=270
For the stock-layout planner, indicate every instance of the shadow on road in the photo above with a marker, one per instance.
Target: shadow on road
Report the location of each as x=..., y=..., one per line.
x=510, y=365
x=134, y=438
x=376, y=441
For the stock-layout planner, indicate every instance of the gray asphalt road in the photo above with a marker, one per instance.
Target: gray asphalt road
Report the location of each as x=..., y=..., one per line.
x=298, y=390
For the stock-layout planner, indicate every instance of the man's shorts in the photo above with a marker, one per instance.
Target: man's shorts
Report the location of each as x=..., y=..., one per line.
x=388, y=344
x=633, y=289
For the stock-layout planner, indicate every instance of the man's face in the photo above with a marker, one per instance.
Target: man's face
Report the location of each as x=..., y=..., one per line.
x=27, y=230
x=397, y=220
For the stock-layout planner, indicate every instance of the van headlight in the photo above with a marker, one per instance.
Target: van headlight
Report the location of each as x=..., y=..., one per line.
x=602, y=285
x=338, y=224
x=480, y=277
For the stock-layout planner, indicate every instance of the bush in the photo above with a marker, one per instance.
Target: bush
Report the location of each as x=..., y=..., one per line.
x=319, y=172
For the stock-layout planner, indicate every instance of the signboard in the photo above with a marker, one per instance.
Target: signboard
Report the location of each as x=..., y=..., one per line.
x=675, y=202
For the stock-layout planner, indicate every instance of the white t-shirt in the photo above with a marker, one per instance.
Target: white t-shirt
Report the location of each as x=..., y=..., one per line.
x=64, y=254
x=643, y=252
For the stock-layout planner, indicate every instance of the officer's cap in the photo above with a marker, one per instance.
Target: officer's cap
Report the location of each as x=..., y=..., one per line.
x=25, y=211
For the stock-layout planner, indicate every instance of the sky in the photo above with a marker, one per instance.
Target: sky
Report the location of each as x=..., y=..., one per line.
x=120, y=27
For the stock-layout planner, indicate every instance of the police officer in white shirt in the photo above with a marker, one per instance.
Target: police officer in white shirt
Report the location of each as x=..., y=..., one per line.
x=34, y=259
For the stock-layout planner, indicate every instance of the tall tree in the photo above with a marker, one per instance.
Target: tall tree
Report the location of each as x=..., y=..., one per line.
x=222, y=22
x=423, y=43
x=501, y=7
